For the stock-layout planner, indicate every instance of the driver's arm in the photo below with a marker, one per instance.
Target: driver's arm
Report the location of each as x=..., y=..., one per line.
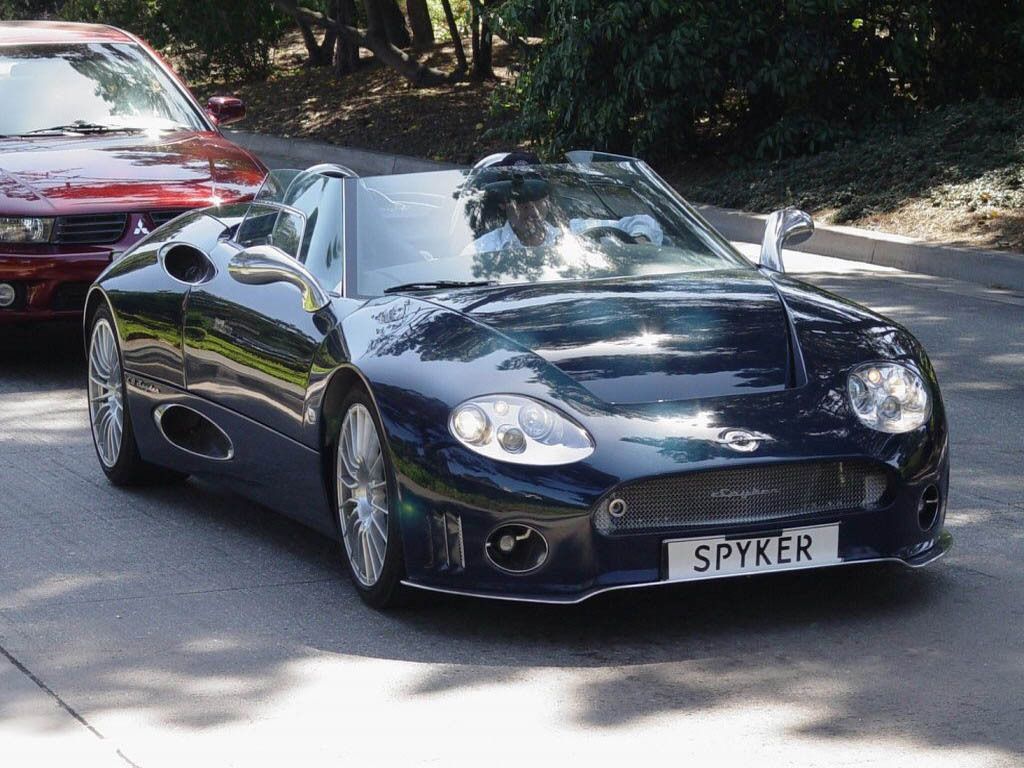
x=641, y=227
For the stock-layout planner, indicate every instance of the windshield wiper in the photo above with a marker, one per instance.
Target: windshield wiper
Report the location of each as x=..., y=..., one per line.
x=81, y=126
x=434, y=285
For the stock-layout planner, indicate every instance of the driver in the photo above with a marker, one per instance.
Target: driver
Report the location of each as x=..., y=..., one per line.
x=525, y=205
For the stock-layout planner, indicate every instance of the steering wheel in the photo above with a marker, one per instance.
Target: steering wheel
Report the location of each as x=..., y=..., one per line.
x=599, y=233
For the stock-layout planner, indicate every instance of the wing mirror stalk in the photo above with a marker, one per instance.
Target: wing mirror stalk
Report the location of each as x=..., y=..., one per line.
x=265, y=264
x=785, y=227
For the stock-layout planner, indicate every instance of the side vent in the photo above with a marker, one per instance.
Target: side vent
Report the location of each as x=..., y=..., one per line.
x=186, y=263
x=192, y=432
x=446, y=547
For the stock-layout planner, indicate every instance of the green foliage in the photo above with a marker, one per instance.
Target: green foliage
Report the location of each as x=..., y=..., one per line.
x=660, y=77
x=28, y=9
x=227, y=37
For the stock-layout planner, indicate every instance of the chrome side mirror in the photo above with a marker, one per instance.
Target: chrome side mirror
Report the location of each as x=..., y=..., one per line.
x=265, y=264
x=786, y=227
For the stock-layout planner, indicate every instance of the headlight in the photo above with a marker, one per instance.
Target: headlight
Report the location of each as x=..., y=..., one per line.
x=18, y=230
x=519, y=430
x=889, y=397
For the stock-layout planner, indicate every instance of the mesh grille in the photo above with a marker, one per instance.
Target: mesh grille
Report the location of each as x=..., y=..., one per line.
x=744, y=495
x=98, y=229
x=162, y=217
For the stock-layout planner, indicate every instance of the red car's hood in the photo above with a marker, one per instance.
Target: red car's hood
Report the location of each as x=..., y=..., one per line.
x=55, y=176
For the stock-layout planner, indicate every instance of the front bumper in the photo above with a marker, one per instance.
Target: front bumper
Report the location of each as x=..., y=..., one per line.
x=583, y=561
x=50, y=286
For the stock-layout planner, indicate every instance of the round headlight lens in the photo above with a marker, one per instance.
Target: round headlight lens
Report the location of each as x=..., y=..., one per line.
x=470, y=424
x=889, y=397
x=536, y=421
x=520, y=430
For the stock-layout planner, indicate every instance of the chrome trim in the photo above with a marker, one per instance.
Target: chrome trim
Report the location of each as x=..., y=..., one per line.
x=266, y=264
x=788, y=225
x=940, y=548
x=158, y=415
x=333, y=169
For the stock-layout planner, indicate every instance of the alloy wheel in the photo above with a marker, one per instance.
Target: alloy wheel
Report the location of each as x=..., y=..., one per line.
x=362, y=495
x=106, y=396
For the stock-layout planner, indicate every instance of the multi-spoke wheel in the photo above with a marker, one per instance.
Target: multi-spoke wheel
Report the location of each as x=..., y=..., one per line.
x=108, y=410
x=106, y=396
x=364, y=502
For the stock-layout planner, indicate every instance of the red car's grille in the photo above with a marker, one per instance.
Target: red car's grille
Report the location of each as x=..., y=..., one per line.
x=162, y=217
x=93, y=229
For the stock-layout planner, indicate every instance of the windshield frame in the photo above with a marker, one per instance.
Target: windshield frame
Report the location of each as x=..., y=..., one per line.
x=177, y=88
x=701, y=227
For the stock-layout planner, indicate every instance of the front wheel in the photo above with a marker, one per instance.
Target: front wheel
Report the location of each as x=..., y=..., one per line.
x=109, y=418
x=366, y=496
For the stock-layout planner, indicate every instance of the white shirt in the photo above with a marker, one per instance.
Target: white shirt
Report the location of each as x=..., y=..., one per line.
x=504, y=236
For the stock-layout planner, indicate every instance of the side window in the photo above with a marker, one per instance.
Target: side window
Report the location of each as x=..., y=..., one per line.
x=268, y=224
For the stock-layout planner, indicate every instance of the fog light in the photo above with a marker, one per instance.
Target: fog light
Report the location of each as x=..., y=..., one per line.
x=7, y=294
x=516, y=548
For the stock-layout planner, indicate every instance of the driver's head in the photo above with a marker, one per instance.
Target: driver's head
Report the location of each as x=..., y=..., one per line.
x=527, y=209
x=520, y=193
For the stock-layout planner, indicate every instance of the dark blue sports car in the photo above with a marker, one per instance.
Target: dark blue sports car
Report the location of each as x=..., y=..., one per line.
x=524, y=381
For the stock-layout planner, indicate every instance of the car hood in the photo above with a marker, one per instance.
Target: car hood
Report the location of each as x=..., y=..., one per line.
x=48, y=176
x=707, y=334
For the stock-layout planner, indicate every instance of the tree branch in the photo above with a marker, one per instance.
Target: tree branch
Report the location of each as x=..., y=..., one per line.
x=418, y=74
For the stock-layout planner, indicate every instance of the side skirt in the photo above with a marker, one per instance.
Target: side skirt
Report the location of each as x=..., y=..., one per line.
x=262, y=465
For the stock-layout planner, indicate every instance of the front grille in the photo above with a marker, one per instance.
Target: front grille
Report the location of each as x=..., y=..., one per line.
x=69, y=296
x=94, y=229
x=752, y=494
x=162, y=217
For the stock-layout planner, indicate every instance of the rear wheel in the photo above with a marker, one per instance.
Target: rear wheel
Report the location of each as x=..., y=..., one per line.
x=111, y=423
x=366, y=493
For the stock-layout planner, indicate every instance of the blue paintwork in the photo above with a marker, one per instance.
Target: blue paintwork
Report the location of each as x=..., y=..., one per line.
x=652, y=367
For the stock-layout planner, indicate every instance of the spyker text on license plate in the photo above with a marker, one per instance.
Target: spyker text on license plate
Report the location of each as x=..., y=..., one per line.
x=706, y=558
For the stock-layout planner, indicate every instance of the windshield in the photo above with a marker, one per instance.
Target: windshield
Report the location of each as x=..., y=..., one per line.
x=527, y=224
x=91, y=87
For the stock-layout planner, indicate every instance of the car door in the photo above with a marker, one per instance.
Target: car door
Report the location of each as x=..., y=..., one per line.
x=251, y=332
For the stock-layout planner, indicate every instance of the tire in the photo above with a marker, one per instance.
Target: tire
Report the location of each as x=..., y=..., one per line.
x=364, y=486
x=110, y=421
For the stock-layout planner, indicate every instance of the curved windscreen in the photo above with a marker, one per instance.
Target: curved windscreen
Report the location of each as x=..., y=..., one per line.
x=495, y=225
x=526, y=224
x=88, y=87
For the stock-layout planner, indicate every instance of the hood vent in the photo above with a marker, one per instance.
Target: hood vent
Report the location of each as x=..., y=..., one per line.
x=93, y=229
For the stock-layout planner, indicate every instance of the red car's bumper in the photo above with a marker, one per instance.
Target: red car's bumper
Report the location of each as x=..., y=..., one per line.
x=50, y=286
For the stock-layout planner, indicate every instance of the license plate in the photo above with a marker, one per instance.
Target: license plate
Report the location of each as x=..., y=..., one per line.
x=808, y=547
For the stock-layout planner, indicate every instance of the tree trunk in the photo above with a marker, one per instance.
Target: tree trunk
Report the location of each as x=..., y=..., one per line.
x=313, y=48
x=416, y=73
x=346, y=53
x=419, y=20
x=394, y=23
x=483, y=44
x=453, y=31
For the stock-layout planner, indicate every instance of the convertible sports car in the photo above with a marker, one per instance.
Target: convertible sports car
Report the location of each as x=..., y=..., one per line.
x=521, y=381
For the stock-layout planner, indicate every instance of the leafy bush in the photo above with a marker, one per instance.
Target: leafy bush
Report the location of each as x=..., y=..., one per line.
x=227, y=36
x=659, y=77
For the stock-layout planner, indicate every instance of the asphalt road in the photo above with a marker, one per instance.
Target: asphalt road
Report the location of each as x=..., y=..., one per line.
x=186, y=626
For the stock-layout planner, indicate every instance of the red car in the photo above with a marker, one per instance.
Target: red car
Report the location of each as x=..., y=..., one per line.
x=100, y=143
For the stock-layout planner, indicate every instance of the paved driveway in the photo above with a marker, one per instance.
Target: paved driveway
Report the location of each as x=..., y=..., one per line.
x=186, y=626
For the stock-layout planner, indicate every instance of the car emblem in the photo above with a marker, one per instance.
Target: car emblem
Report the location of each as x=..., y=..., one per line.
x=740, y=440
x=141, y=229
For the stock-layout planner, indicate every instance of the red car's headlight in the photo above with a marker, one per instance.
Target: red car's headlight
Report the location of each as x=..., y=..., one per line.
x=25, y=230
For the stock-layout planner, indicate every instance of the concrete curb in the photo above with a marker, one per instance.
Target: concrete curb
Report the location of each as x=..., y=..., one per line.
x=988, y=268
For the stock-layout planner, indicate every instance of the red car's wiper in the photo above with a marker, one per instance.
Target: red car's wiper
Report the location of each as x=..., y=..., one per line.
x=434, y=285
x=81, y=126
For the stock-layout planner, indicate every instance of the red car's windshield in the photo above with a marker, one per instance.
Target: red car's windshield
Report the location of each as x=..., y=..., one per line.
x=88, y=88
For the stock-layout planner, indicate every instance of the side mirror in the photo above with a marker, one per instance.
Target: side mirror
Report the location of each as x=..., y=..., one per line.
x=786, y=227
x=265, y=264
x=225, y=109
